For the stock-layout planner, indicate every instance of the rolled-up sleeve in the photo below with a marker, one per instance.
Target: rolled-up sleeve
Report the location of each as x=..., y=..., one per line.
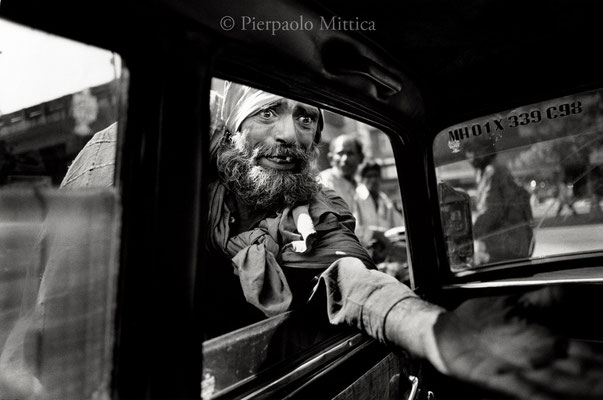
x=360, y=297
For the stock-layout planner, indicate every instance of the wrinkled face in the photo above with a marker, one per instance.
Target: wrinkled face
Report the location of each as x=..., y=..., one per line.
x=372, y=180
x=346, y=157
x=269, y=160
x=281, y=124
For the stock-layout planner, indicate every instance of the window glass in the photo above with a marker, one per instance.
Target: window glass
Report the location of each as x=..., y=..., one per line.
x=59, y=214
x=357, y=161
x=523, y=184
x=261, y=177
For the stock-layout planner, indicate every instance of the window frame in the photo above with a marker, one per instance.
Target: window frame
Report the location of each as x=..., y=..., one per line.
x=404, y=132
x=532, y=272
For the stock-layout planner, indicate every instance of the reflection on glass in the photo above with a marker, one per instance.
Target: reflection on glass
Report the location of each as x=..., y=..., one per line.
x=59, y=215
x=533, y=176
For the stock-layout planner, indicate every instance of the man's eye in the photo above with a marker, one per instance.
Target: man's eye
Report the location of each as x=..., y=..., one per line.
x=307, y=121
x=267, y=113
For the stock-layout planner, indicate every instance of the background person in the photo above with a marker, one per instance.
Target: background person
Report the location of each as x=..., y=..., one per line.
x=502, y=225
x=345, y=155
x=565, y=197
x=375, y=214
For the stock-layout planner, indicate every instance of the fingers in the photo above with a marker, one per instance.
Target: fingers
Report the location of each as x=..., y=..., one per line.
x=565, y=379
x=550, y=296
x=554, y=382
x=494, y=342
x=579, y=375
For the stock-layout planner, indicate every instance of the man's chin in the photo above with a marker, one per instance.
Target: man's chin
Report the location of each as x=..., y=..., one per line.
x=263, y=183
x=269, y=188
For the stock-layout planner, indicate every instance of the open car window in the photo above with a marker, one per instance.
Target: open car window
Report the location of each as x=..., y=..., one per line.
x=354, y=163
x=59, y=214
x=522, y=184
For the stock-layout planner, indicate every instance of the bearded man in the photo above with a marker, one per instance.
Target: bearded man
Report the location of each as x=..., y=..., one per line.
x=278, y=231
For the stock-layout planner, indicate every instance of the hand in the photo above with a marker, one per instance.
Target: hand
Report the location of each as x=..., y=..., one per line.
x=494, y=342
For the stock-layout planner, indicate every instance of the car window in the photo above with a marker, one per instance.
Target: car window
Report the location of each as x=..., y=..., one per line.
x=59, y=214
x=522, y=184
x=370, y=187
x=351, y=162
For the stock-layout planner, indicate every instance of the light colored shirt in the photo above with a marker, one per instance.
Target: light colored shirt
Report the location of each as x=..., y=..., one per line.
x=374, y=216
x=345, y=188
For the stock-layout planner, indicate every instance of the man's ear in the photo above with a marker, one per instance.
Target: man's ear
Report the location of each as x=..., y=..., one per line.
x=330, y=157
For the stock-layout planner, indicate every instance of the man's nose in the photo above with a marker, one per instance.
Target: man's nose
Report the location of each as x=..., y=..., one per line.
x=285, y=131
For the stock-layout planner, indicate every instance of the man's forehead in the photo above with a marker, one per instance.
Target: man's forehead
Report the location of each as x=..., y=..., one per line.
x=292, y=104
x=241, y=102
x=345, y=144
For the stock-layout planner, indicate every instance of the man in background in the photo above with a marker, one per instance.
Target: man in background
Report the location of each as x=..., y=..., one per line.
x=375, y=212
x=345, y=155
x=376, y=215
x=502, y=226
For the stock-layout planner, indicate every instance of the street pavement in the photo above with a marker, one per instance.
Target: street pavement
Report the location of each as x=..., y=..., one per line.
x=566, y=233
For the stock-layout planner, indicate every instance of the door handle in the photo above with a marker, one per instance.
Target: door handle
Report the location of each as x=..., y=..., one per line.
x=397, y=388
x=414, y=387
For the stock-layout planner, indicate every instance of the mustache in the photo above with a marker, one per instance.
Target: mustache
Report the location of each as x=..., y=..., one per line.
x=264, y=188
x=295, y=152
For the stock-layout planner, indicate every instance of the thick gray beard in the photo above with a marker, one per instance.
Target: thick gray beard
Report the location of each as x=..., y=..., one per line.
x=266, y=188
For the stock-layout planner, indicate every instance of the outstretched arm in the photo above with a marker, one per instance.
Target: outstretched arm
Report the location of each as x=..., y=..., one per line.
x=381, y=306
x=500, y=343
